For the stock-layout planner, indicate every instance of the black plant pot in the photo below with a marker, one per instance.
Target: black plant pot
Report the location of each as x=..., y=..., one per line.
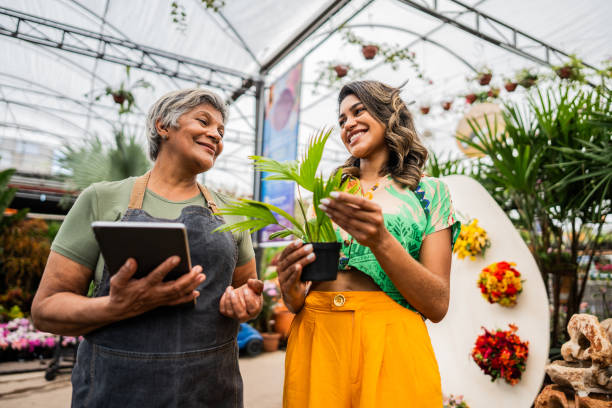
x=325, y=266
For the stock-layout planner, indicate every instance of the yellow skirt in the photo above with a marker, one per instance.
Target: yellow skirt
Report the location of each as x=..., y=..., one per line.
x=359, y=350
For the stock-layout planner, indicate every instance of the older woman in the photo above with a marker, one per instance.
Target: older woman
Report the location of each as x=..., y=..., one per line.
x=139, y=348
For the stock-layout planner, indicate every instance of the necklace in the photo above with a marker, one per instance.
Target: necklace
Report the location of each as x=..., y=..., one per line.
x=368, y=195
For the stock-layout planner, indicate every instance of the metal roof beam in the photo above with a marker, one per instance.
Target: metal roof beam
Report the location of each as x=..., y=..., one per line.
x=116, y=50
x=308, y=29
x=514, y=43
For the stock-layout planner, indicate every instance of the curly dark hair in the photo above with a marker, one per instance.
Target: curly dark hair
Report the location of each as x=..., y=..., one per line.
x=407, y=155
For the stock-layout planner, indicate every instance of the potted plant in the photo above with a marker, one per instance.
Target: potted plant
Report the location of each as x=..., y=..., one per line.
x=341, y=70
x=123, y=95
x=493, y=92
x=510, y=85
x=484, y=76
x=318, y=230
x=446, y=105
x=571, y=70
x=526, y=78
x=264, y=322
x=369, y=51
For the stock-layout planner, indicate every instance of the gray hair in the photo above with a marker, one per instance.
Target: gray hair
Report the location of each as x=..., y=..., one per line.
x=170, y=107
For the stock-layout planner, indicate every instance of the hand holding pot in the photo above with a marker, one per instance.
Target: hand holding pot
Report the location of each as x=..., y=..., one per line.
x=361, y=218
x=289, y=268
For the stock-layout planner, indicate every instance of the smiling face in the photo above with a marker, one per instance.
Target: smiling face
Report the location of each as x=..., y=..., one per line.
x=362, y=134
x=197, y=141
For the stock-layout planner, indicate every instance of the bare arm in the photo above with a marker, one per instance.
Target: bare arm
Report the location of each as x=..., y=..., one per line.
x=426, y=284
x=61, y=306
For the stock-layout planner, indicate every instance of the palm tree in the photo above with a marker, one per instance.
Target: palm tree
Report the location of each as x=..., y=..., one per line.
x=95, y=162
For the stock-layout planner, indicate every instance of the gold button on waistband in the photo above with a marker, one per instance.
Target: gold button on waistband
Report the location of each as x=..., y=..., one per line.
x=339, y=300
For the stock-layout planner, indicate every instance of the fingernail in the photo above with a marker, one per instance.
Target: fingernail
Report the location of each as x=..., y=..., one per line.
x=197, y=294
x=308, y=248
x=334, y=194
x=325, y=201
x=201, y=278
x=297, y=242
x=321, y=206
x=234, y=294
x=175, y=260
x=310, y=257
x=128, y=263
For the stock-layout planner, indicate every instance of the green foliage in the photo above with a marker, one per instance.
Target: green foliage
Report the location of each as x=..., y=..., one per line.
x=551, y=167
x=179, y=16
x=260, y=215
x=6, y=196
x=25, y=248
x=95, y=162
x=6, y=315
x=123, y=95
x=439, y=167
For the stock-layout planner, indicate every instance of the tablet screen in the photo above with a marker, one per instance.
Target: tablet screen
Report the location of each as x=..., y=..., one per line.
x=150, y=243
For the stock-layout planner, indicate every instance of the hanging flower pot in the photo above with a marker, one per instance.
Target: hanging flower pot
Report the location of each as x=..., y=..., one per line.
x=510, y=86
x=493, y=93
x=565, y=72
x=424, y=110
x=471, y=98
x=341, y=70
x=446, y=105
x=484, y=78
x=119, y=97
x=369, y=51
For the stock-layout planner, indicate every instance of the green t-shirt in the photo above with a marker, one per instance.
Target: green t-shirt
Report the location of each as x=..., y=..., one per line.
x=108, y=201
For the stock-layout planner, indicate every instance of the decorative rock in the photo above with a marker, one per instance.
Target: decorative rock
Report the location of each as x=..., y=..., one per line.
x=587, y=355
x=553, y=396
x=556, y=396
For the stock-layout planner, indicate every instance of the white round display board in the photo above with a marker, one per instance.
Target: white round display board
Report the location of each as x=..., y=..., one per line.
x=454, y=337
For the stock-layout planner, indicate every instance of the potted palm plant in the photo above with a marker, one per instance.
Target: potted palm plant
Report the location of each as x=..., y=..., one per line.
x=317, y=230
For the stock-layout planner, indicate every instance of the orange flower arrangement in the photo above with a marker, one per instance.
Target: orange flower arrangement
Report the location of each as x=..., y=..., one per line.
x=501, y=354
x=500, y=283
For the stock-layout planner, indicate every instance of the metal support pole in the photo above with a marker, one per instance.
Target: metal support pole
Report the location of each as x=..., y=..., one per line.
x=260, y=106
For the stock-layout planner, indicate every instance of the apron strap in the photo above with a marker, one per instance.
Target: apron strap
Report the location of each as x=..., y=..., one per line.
x=209, y=200
x=140, y=186
x=138, y=191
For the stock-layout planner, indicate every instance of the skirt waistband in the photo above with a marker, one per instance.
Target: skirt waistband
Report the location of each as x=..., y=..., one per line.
x=350, y=300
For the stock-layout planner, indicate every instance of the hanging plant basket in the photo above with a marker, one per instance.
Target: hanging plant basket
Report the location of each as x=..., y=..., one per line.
x=341, y=70
x=565, y=72
x=484, y=78
x=119, y=98
x=493, y=93
x=369, y=51
x=510, y=86
x=446, y=105
x=471, y=98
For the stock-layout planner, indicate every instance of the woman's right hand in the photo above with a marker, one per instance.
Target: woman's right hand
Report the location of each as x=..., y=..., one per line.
x=289, y=268
x=131, y=297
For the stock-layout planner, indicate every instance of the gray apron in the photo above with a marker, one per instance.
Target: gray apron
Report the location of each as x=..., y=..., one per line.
x=172, y=356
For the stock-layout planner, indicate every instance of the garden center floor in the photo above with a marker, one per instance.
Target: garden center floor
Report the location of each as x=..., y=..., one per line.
x=262, y=375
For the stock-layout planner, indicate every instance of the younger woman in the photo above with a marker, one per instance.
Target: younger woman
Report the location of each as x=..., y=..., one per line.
x=361, y=340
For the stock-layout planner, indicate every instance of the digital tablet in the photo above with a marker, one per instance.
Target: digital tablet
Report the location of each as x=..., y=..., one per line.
x=149, y=243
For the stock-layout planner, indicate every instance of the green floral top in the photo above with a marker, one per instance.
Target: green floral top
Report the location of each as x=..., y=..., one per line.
x=409, y=216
